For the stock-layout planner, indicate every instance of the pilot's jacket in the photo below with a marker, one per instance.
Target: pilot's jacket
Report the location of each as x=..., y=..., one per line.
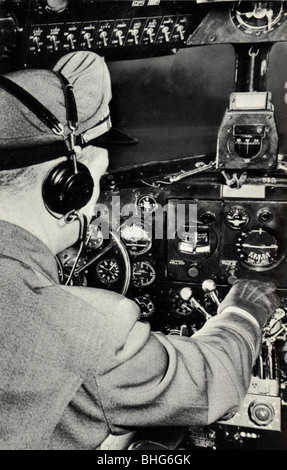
x=76, y=364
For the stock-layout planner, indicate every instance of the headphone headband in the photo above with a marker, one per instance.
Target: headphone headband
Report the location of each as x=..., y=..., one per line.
x=69, y=186
x=43, y=113
x=37, y=108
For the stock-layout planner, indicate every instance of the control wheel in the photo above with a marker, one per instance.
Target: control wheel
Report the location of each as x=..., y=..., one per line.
x=103, y=263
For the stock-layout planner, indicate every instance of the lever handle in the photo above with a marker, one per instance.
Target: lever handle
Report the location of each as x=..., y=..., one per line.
x=209, y=287
x=186, y=294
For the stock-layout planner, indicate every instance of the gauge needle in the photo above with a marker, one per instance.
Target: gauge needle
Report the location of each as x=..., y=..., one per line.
x=138, y=244
x=262, y=247
x=96, y=257
x=269, y=15
x=106, y=269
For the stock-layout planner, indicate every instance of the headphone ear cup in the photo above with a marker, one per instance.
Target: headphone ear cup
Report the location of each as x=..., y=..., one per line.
x=64, y=190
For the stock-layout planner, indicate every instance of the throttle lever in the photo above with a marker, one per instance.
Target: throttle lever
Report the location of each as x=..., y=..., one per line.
x=186, y=294
x=209, y=287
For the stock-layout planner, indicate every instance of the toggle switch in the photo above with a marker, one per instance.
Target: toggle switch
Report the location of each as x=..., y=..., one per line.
x=180, y=30
x=150, y=33
x=71, y=40
x=135, y=34
x=120, y=36
x=88, y=39
x=53, y=40
x=36, y=41
x=166, y=33
x=104, y=36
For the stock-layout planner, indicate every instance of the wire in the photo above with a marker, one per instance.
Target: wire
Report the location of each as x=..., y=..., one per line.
x=69, y=218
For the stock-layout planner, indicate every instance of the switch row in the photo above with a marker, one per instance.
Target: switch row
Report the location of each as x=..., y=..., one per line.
x=91, y=35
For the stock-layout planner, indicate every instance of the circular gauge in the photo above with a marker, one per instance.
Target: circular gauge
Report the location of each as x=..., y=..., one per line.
x=199, y=241
x=143, y=274
x=207, y=218
x=94, y=238
x=146, y=305
x=108, y=270
x=68, y=257
x=136, y=236
x=258, y=249
x=79, y=280
x=147, y=204
x=264, y=216
x=66, y=261
x=182, y=308
x=257, y=17
x=237, y=217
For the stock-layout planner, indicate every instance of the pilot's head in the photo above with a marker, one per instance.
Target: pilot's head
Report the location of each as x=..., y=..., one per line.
x=51, y=156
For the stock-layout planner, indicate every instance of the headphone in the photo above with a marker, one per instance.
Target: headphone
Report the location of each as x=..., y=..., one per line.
x=69, y=186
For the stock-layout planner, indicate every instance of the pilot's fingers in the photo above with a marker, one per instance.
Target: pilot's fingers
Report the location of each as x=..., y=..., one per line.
x=255, y=297
x=248, y=285
x=257, y=292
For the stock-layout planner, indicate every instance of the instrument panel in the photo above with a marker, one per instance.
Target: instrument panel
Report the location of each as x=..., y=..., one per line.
x=44, y=30
x=185, y=252
x=36, y=33
x=176, y=246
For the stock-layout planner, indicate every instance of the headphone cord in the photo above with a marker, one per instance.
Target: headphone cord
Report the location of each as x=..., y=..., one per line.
x=69, y=218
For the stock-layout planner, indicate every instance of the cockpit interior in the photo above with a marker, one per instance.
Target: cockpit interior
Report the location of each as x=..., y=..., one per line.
x=196, y=199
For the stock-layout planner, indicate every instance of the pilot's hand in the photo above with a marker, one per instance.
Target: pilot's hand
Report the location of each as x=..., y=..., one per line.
x=257, y=298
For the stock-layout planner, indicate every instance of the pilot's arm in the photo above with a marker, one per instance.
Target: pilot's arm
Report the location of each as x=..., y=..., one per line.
x=149, y=379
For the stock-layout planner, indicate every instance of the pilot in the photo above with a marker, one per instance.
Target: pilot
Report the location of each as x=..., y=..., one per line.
x=76, y=364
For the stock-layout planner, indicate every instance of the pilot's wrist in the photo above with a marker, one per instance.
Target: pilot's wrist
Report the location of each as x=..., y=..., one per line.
x=244, y=313
x=258, y=315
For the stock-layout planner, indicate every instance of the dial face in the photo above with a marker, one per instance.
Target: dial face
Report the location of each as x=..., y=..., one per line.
x=237, y=217
x=147, y=204
x=146, y=305
x=68, y=258
x=182, y=308
x=94, y=237
x=143, y=274
x=258, y=249
x=108, y=270
x=257, y=17
x=137, y=237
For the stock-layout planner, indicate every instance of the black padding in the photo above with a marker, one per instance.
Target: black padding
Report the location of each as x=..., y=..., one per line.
x=64, y=190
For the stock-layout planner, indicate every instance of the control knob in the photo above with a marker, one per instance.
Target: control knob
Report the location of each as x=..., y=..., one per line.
x=186, y=294
x=232, y=275
x=56, y=6
x=209, y=287
x=261, y=413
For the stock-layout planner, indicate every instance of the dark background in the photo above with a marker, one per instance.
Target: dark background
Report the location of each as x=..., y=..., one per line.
x=174, y=104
